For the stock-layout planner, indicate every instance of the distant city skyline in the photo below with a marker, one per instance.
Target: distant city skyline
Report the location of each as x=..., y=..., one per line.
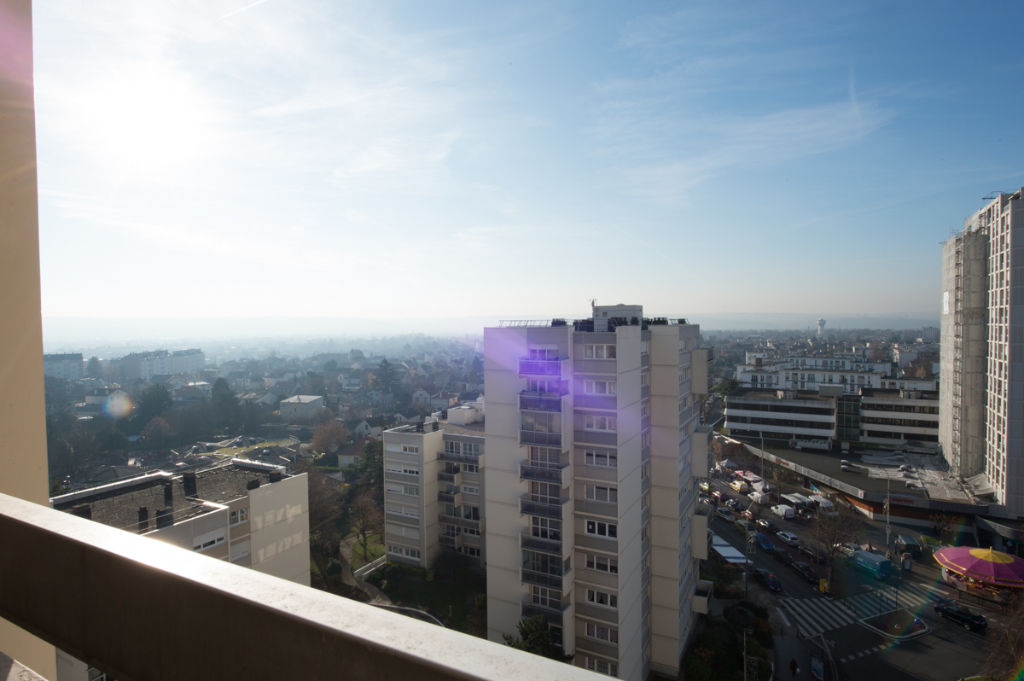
x=390, y=160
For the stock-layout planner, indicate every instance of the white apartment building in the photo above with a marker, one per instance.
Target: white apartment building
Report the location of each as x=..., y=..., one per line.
x=821, y=418
x=593, y=447
x=982, y=350
x=146, y=365
x=69, y=366
x=246, y=512
x=433, y=491
x=809, y=373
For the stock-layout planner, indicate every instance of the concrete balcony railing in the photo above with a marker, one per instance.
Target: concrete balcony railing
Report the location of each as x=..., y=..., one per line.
x=559, y=475
x=702, y=596
x=141, y=609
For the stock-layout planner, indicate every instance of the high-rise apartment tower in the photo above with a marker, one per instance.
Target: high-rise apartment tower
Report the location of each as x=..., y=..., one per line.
x=593, y=450
x=981, y=381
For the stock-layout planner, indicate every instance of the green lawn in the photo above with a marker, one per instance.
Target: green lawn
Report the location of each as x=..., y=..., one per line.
x=375, y=547
x=450, y=593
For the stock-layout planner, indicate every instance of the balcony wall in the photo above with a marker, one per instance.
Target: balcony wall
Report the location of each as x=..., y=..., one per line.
x=199, y=618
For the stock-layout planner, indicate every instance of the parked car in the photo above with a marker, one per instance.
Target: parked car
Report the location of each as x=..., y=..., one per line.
x=783, y=511
x=788, y=538
x=764, y=542
x=962, y=616
x=782, y=555
x=816, y=554
x=805, y=571
x=769, y=580
x=846, y=548
x=747, y=513
x=716, y=494
x=732, y=503
x=725, y=514
x=745, y=526
x=765, y=524
x=707, y=500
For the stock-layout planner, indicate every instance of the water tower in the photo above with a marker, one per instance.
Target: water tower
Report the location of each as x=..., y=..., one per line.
x=821, y=327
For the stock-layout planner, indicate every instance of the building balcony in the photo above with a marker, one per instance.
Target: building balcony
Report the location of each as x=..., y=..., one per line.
x=459, y=458
x=449, y=497
x=534, y=401
x=552, y=546
x=552, y=611
x=536, y=437
x=186, y=608
x=446, y=477
x=538, y=578
x=605, y=509
x=558, y=475
x=542, y=506
x=540, y=367
x=702, y=596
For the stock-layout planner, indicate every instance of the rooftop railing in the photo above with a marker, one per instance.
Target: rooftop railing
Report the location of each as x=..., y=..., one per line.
x=141, y=609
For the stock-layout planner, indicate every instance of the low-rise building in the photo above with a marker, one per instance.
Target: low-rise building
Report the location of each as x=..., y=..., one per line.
x=301, y=407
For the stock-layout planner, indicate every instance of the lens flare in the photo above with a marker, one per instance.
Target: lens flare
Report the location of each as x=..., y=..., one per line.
x=118, y=406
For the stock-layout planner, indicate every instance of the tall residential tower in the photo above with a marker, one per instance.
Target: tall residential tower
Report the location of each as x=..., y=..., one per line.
x=593, y=447
x=981, y=383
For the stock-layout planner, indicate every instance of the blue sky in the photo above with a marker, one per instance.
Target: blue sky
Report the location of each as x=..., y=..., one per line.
x=408, y=160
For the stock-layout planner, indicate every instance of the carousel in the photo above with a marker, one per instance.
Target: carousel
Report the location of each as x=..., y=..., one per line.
x=991, y=573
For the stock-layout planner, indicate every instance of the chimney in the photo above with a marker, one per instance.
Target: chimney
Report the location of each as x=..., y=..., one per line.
x=164, y=518
x=143, y=519
x=189, y=481
x=252, y=484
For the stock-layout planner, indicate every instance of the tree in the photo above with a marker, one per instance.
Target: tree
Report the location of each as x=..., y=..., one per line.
x=226, y=411
x=367, y=519
x=156, y=433
x=385, y=376
x=1006, y=652
x=726, y=387
x=151, y=402
x=93, y=368
x=535, y=636
x=329, y=437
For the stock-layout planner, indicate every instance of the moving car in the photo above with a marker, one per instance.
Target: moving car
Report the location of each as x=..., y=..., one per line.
x=816, y=554
x=805, y=571
x=765, y=524
x=747, y=513
x=962, y=616
x=769, y=580
x=788, y=538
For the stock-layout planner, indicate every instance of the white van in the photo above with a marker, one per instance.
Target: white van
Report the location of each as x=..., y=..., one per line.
x=783, y=511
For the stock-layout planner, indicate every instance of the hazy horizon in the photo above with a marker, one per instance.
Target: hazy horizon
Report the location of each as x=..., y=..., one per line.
x=76, y=334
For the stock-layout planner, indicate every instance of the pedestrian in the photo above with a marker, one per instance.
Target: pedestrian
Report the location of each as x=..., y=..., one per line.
x=794, y=668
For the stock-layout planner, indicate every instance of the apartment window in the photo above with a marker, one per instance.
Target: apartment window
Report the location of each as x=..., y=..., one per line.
x=602, y=563
x=602, y=632
x=593, y=387
x=543, y=353
x=605, y=493
x=549, y=598
x=470, y=468
x=471, y=551
x=239, y=516
x=604, y=424
x=470, y=512
x=452, y=447
x=545, y=492
x=402, y=531
x=208, y=540
x=471, y=448
x=593, y=457
x=600, y=528
x=404, y=551
x=541, y=422
x=451, y=511
x=407, y=511
x=451, y=530
x=404, y=469
x=543, y=385
x=470, y=489
x=407, y=490
x=604, y=598
x=598, y=351
x=596, y=664
x=545, y=457
x=471, y=530
x=410, y=449
x=546, y=528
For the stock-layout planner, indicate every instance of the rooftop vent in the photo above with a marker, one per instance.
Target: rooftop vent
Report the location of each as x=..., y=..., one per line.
x=189, y=482
x=252, y=484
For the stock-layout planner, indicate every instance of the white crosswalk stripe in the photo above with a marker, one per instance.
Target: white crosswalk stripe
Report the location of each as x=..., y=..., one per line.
x=817, y=615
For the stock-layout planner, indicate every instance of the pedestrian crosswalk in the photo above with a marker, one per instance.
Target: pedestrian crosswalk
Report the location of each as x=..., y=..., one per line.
x=817, y=615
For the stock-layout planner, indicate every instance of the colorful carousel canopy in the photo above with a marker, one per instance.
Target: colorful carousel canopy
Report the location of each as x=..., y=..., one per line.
x=984, y=565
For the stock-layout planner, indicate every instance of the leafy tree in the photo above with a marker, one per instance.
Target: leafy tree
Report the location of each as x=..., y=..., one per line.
x=93, y=368
x=535, y=636
x=329, y=437
x=726, y=387
x=226, y=410
x=156, y=433
x=152, y=402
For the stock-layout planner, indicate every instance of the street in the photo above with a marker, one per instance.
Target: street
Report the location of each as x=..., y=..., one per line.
x=810, y=623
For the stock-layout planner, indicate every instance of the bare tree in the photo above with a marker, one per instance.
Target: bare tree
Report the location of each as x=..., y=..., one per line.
x=329, y=436
x=366, y=519
x=1006, y=652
